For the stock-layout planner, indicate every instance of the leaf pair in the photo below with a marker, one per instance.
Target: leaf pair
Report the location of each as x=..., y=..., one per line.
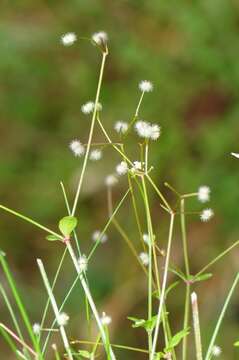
x=66, y=226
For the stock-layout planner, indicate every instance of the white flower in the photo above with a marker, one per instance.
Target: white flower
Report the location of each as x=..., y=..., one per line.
x=146, y=239
x=97, y=234
x=235, y=154
x=144, y=257
x=68, y=39
x=137, y=165
x=204, y=194
x=62, y=319
x=145, y=86
x=88, y=107
x=105, y=319
x=122, y=168
x=155, y=132
x=216, y=350
x=100, y=38
x=111, y=180
x=206, y=214
x=82, y=263
x=36, y=328
x=77, y=148
x=147, y=130
x=143, y=129
x=121, y=127
x=95, y=155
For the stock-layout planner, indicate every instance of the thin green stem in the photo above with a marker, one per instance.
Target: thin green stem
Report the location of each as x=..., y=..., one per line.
x=123, y=347
x=187, y=270
x=217, y=258
x=221, y=316
x=164, y=284
x=90, y=134
x=54, y=307
x=20, y=305
x=33, y=222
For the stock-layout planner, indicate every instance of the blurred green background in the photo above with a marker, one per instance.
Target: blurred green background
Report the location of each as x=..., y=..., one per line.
x=189, y=50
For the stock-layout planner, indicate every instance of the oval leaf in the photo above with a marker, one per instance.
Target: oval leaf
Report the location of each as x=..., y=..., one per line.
x=53, y=238
x=67, y=224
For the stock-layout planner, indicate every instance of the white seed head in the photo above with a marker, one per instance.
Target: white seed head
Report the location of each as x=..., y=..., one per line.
x=68, y=39
x=77, y=148
x=83, y=263
x=105, y=319
x=96, y=155
x=155, y=132
x=146, y=239
x=147, y=130
x=111, y=180
x=235, y=154
x=145, y=86
x=216, y=350
x=98, y=235
x=137, y=166
x=206, y=215
x=204, y=194
x=62, y=319
x=36, y=328
x=122, y=168
x=121, y=127
x=100, y=38
x=88, y=107
x=144, y=257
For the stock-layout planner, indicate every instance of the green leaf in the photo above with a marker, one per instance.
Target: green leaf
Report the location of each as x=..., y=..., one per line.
x=53, y=238
x=148, y=325
x=179, y=273
x=171, y=287
x=175, y=340
x=202, y=277
x=67, y=224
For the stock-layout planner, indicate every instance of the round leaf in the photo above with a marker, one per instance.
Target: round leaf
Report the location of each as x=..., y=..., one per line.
x=67, y=224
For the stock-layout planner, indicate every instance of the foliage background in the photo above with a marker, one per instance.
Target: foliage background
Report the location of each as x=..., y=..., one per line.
x=189, y=49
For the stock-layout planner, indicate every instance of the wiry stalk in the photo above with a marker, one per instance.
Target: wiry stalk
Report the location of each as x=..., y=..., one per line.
x=54, y=307
x=164, y=284
x=90, y=134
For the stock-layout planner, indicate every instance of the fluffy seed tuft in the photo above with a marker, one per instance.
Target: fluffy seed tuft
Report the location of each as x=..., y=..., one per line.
x=62, y=319
x=204, y=194
x=121, y=127
x=145, y=86
x=206, y=215
x=68, y=39
x=77, y=148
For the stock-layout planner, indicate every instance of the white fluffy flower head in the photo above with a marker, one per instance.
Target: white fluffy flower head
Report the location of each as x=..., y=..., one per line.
x=216, y=350
x=147, y=130
x=204, y=194
x=77, y=148
x=121, y=127
x=144, y=257
x=105, y=319
x=83, y=263
x=36, y=328
x=88, y=107
x=145, y=86
x=122, y=168
x=206, y=215
x=62, y=319
x=100, y=38
x=96, y=155
x=111, y=180
x=68, y=39
x=97, y=235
